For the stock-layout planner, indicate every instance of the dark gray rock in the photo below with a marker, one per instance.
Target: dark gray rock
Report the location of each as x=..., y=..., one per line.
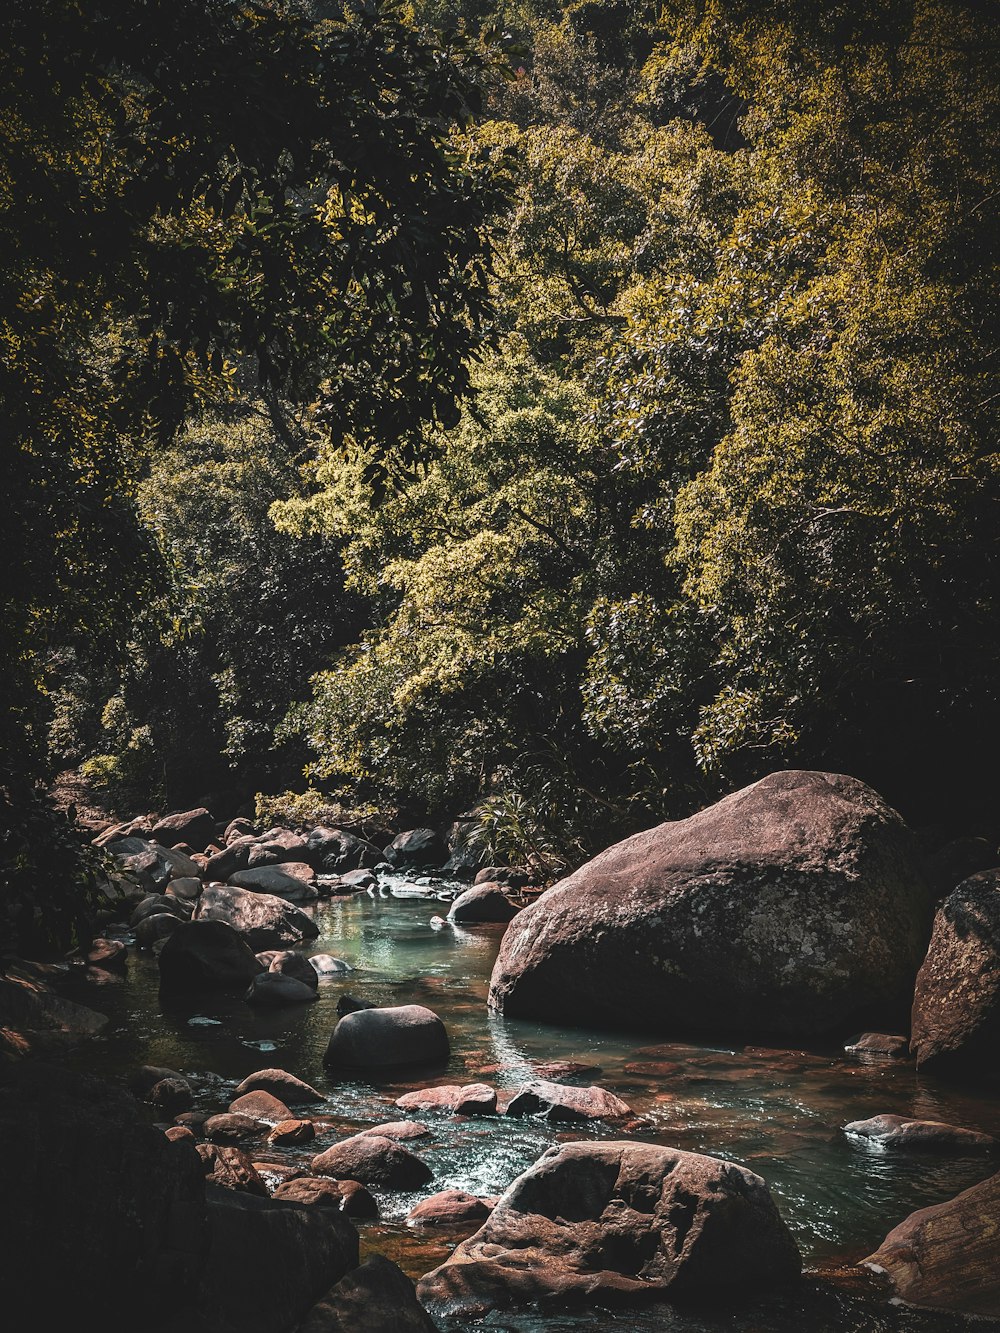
x=206, y=954
x=378, y=1297
x=195, y=827
x=407, y=1034
x=419, y=848
x=264, y=920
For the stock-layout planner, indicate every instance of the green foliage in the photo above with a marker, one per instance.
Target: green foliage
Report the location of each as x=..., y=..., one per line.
x=311, y=809
x=50, y=876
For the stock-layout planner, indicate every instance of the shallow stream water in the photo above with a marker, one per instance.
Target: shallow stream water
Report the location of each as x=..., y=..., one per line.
x=778, y=1111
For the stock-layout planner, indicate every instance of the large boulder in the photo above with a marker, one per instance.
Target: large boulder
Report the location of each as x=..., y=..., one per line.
x=955, y=1024
x=417, y=849
x=378, y=1297
x=194, y=827
x=152, y=866
x=207, y=955
x=372, y=1160
x=791, y=907
x=269, y=1261
x=947, y=1256
x=264, y=920
x=618, y=1223
x=405, y=1034
x=335, y=851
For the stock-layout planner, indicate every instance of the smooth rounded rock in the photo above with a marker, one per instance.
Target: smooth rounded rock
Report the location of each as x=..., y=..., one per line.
x=372, y=1161
x=903, y=1134
x=274, y=989
x=399, y=1035
x=282, y=1085
x=345, y=1196
x=450, y=1208
x=482, y=904
x=207, y=955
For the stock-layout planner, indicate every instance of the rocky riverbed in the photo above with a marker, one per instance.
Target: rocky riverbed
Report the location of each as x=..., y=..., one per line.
x=814, y=1148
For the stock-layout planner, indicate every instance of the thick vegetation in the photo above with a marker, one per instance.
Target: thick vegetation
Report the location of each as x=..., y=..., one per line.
x=569, y=436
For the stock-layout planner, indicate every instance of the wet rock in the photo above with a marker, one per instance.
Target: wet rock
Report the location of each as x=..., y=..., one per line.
x=282, y=1085
x=560, y=1069
x=908, y=1135
x=445, y=1097
x=872, y=1045
x=397, y=1035
x=261, y=1105
x=325, y=965
x=176, y=1132
x=335, y=851
x=152, y=929
x=397, y=1130
x=344, y=1196
x=372, y=1161
x=269, y=1261
x=420, y=848
x=560, y=1101
x=792, y=906
x=230, y=1168
x=288, y=1132
x=947, y=1256
x=351, y=1004
x=956, y=1005
x=481, y=904
x=112, y=955
x=233, y=1128
x=292, y=964
x=264, y=920
x=450, y=1208
x=274, y=989
x=207, y=954
x=614, y=1223
x=195, y=827
x=171, y=1095
x=142, y=1079
x=378, y=1297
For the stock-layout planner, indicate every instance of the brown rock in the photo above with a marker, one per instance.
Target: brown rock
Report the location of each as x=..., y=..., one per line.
x=559, y=1101
x=261, y=1105
x=195, y=827
x=948, y=1256
x=292, y=1131
x=232, y=1128
x=345, y=1196
x=171, y=1095
x=112, y=955
x=791, y=906
x=956, y=1003
x=290, y=963
x=875, y=1045
x=372, y=1161
x=482, y=904
x=897, y=1131
x=230, y=1168
x=281, y=1084
x=464, y=1099
x=450, y=1208
x=176, y=1132
x=398, y=1130
x=618, y=1223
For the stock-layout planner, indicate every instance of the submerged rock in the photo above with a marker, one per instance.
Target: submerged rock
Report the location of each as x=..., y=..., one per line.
x=618, y=1223
x=900, y=1132
x=792, y=906
x=956, y=1004
x=558, y=1101
x=879, y=1045
x=274, y=989
x=947, y=1256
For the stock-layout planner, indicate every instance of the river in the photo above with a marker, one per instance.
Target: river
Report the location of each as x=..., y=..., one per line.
x=778, y=1111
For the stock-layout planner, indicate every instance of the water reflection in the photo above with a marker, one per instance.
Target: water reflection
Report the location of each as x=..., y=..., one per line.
x=776, y=1110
